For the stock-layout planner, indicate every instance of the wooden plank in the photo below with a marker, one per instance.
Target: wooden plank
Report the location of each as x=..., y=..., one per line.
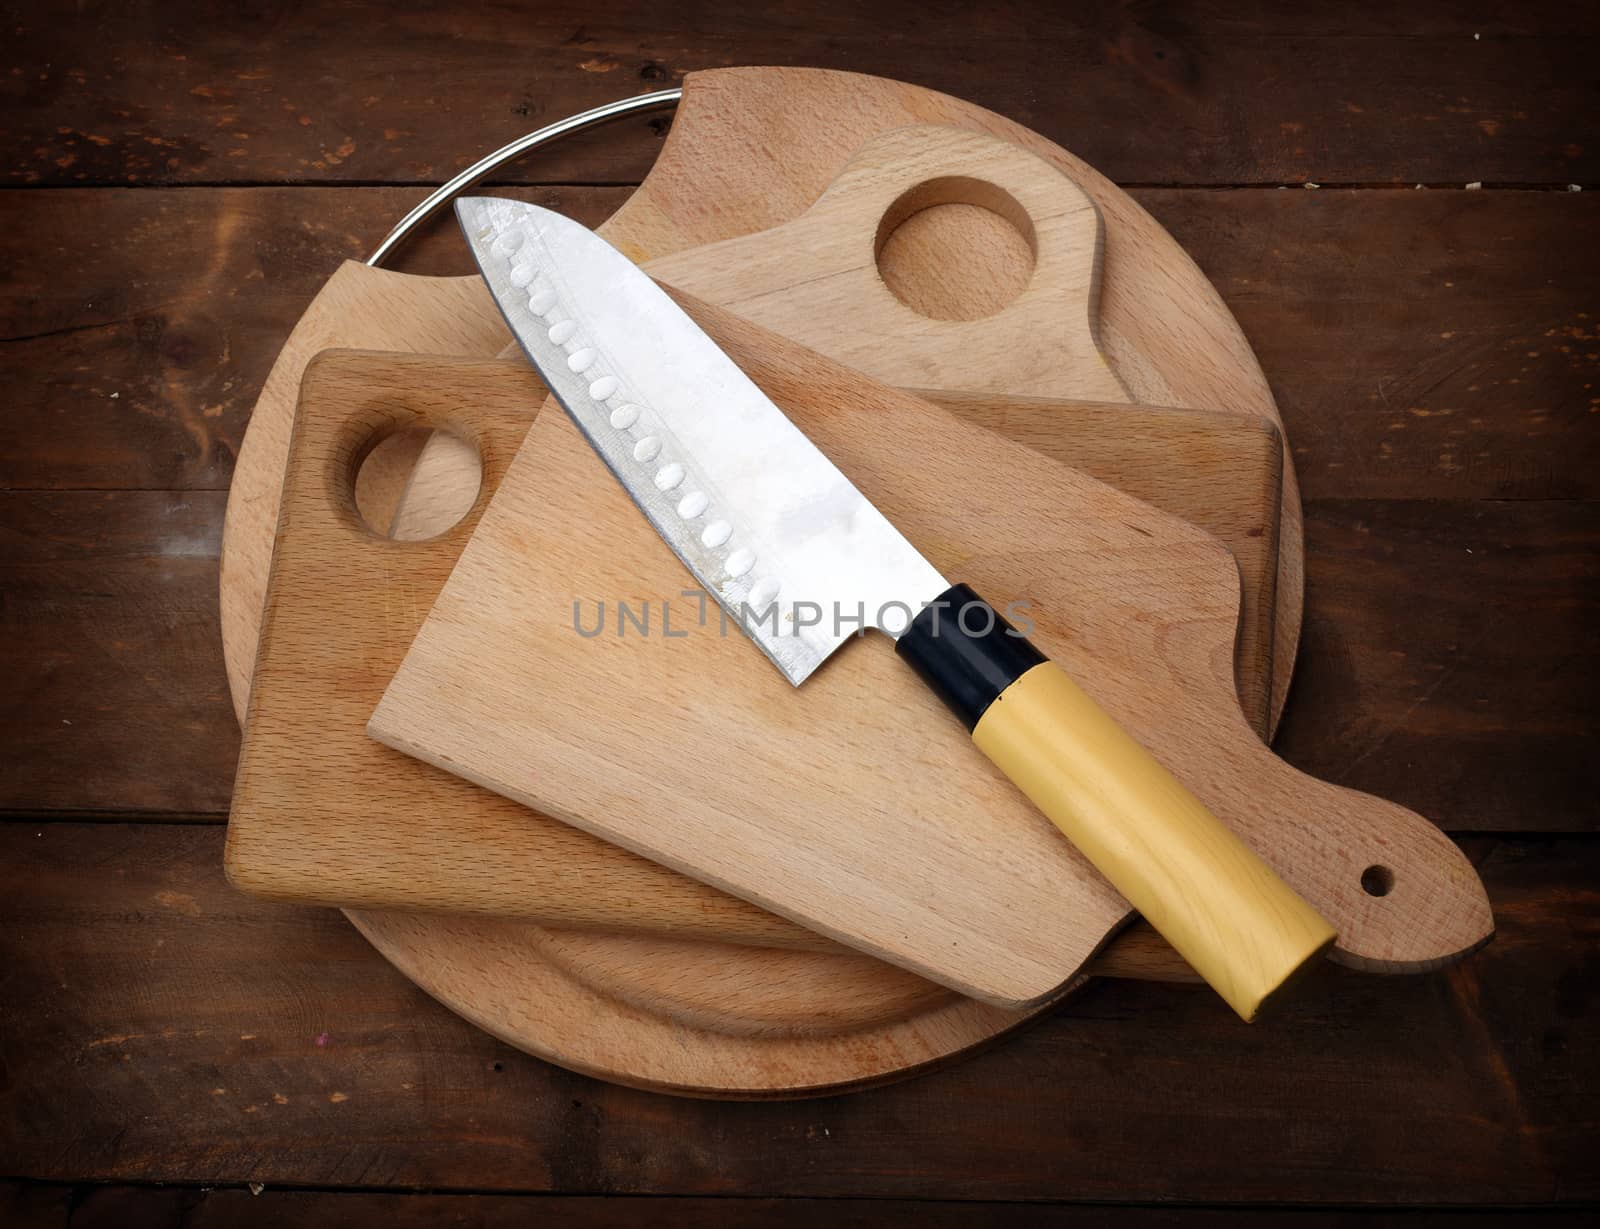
x=321, y=813
x=157, y=1026
x=882, y=844
x=141, y=360
x=115, y=698
x=1348, y=299
x=1359, y=93
x=1458, y=684
x=1450, y=661
x=84, y=1206
x=1421, y=345
x=107, y=314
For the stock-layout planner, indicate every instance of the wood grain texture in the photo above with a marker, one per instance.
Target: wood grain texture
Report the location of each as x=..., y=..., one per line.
x=141, y=359
x=665, y=1014
x=1392, y=577
x=320, y=812
x=1253, y=93
x=678, y=212
x=669, y=1015
x=1451, y=1092
x=1467, y=363
x=138, y=983
x=1478, y=265
x=1179, y=470
x=751, y=149
x=1160, y=324
x=1390, y=324
x=1485, y=610
x=1139, y=607
x=323, y=814
x=114, y=698
x=1191, y=464
x=357, y=307
x=816, y=279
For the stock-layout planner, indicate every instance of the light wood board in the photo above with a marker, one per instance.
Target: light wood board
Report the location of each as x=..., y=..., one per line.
x=695, y=753
x=816, y=279
x=762, y=144
x=667, y=1013
x=822, y=280
x=749, y=149
x=324, y=814
x=549, y=992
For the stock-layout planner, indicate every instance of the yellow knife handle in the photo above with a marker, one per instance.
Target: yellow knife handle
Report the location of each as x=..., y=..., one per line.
x=1227, y=912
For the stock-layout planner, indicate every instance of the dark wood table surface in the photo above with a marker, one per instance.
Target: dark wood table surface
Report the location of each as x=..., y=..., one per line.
x=181, y=177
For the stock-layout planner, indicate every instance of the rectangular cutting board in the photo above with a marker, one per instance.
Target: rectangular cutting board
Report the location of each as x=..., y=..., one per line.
x=852, y=805
x=324, y=814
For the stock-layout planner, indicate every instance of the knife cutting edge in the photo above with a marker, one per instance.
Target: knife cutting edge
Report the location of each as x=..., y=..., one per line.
x=802, y=561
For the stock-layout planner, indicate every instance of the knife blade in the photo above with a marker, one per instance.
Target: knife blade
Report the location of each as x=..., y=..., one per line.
x=801, y=562
x=764, y=521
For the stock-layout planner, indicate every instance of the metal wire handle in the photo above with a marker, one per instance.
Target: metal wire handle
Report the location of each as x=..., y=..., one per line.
x=485, y=167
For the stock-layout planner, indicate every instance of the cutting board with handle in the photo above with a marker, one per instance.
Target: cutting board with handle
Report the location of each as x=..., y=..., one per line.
x=324, y=814
x=667, y=1011
x=1216, y=469
x=831, y=804
x=749, y=149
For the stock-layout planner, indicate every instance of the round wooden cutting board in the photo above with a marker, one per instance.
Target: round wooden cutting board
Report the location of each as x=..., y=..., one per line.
x=750, y=149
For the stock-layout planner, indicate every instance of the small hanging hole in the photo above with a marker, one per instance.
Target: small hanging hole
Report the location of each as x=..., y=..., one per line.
x=1377, y=881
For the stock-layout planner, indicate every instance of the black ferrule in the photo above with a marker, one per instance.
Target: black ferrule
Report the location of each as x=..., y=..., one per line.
x=966, y=652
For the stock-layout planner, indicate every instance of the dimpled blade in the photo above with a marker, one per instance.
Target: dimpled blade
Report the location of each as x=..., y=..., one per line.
x=798, y=557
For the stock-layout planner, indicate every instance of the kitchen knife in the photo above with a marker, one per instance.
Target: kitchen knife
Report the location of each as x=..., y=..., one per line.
x=800, y=561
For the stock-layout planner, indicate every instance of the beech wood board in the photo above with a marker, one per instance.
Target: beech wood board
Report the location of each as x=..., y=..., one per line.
x=361, y=842
x=324, y=814
x=1162, y=326
x=685, y=750
x=749, y=149
x=663, y=1012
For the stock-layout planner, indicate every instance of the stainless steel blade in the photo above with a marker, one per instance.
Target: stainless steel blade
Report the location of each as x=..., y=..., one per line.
x=798, y=557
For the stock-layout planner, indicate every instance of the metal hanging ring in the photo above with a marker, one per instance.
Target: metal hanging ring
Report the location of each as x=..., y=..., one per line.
x=484, y=167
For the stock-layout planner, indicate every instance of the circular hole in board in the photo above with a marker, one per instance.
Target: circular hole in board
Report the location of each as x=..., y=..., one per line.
x=1377, y=881
x=956, y=248
x=417, y=483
